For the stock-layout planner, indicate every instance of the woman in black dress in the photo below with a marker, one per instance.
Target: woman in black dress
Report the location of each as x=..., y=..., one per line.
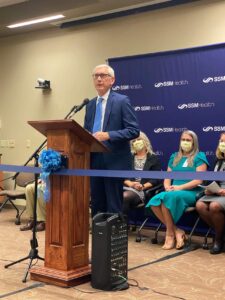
x=211, y=207
x=143, y=159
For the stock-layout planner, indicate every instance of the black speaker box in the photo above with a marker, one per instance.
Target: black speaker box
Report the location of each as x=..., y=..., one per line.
x=109, y=252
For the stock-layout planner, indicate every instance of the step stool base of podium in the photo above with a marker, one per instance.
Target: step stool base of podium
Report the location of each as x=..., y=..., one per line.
x=61, y=278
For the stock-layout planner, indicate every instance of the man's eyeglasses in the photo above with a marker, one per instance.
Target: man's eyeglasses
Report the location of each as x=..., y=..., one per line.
x=101, y=75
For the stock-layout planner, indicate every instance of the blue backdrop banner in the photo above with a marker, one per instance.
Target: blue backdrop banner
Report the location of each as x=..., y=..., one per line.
x=173, y=91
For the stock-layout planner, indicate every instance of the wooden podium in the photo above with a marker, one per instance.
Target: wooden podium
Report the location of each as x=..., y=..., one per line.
x=67, y=222
x=1, y=178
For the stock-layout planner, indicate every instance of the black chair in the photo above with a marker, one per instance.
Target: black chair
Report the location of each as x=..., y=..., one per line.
x=18, y=192
x=148, y=195
x=205, y=244
x=188, y=242
x=189, y=210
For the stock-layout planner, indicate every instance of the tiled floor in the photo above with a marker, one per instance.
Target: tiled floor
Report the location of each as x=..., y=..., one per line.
x=159, y=274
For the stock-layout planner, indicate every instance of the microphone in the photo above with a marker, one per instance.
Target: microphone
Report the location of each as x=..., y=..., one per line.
x=72, y=110
x=76, y=108
x=79, y=107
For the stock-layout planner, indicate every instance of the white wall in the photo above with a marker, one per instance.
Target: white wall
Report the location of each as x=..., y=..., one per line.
x=67, y=57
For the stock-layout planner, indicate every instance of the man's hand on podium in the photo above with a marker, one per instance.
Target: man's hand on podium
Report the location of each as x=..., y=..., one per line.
x=101, y=136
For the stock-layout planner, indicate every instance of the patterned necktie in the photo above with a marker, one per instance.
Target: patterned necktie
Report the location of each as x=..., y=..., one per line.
x=98, y=116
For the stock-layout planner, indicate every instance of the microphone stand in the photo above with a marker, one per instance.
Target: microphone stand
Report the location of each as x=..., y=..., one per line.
x=33, y=254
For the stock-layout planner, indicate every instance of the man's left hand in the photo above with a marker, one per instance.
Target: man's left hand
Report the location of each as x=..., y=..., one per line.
x=101, y=136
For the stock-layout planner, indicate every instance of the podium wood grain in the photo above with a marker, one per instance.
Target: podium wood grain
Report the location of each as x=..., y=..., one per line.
x=67, y=222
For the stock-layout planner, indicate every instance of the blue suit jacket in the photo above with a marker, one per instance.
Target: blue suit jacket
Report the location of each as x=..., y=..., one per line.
x=121, y=124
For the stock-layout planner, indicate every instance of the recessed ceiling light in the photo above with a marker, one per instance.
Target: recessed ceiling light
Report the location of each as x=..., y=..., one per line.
x=35, y=21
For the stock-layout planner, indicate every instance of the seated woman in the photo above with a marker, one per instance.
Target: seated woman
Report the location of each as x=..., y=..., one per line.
x=143, y=159
x=179, y=194
x=211, y=207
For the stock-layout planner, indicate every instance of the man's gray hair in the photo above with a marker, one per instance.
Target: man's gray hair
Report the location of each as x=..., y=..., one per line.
x=110, y=70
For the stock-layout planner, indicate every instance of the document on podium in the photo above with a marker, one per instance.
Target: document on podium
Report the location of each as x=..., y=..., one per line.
x=213, y=187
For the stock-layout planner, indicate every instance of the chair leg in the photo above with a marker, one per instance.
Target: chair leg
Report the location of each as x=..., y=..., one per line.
x=192, y=232
x=205, y=245
x=17, y=222
x=23, y=210
x=18, y=216
x=134, y=227
x=138, y=236
x=155, y=239
x=4, y=203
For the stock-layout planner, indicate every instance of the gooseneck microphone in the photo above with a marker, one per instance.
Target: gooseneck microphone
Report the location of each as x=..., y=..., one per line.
x=79, y=107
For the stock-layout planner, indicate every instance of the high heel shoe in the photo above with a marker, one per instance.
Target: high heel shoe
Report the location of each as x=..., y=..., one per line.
x=169, y=242
x=217, y=247
x=181, y=238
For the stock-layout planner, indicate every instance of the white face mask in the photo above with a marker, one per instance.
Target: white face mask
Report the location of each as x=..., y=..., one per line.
x=186, y=146
x=138, y=145
x=222, y=147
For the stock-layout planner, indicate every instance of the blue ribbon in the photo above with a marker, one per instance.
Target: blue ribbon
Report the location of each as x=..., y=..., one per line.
x=50, y=161
x=208, y=175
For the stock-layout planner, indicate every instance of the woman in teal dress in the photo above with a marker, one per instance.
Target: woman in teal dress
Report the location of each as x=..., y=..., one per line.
x=179, y=194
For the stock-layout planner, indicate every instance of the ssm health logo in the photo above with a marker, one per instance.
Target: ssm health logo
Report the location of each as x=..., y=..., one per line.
x=164, y=129
x=213, y=79
x=213, y=128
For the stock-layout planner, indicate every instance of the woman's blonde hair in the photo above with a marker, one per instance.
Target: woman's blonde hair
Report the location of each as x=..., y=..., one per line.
x=147, y=143
x=194, y=151
x=219, y=154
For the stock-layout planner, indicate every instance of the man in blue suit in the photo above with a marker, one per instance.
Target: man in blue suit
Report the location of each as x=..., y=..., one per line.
x=116, y=126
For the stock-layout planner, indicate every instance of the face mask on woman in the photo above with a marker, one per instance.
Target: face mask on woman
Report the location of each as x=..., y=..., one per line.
x=138, y=145
x=186, y=146
x=222, y=147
